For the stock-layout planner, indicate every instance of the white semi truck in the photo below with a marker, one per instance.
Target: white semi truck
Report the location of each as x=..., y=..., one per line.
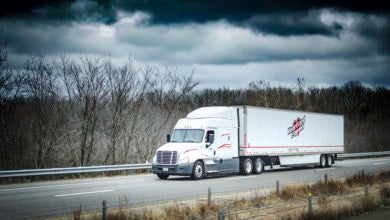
x=245, y=139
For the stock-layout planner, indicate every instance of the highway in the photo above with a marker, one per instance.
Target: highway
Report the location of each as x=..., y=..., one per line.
x=56, y=198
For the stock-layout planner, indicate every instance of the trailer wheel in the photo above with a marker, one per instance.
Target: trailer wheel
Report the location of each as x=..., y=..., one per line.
x=328, y=160
x=322, y=160
x=198, y=171
x=259, y=166
x=247, y=166
x=163, y=176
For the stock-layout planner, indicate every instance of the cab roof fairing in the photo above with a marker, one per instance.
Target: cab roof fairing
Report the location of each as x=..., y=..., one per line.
x=203, y=123
x=221, y=112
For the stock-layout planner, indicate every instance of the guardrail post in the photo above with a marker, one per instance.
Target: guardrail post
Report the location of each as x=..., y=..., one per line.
x=366, y=192
x=326, y=183
x=364, y=181
x=277, y=188
x=209, y=196
x=220, y=214
x=310, y=204
x=104, y=215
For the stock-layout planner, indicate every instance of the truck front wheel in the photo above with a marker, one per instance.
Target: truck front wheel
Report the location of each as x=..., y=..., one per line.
x=163, y=176
x=198, y=170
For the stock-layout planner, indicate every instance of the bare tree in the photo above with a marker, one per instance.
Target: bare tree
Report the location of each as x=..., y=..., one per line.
x=261, y=88
x=168, y=100
x=300, y=94
x=5, y=74
x=46, y=119
x=171, y=89
x=85, y=86
x=134, y=118
x=355, y=99
x=265, y=95
x=153, y=127
x=126, y=92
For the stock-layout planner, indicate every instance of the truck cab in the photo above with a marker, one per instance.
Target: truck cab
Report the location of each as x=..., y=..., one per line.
x=205, y=142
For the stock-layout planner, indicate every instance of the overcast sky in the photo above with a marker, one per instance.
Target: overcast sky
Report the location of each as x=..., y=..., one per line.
x=226, y=43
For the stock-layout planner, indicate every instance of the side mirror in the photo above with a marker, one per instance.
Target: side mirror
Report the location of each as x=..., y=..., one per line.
x=211, y=138
x=168, y=137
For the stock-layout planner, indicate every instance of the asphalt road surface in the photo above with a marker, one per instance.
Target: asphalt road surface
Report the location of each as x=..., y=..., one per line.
x=58, y=198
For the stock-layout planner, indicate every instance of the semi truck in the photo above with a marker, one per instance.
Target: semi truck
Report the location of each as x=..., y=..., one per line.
x=245, y=139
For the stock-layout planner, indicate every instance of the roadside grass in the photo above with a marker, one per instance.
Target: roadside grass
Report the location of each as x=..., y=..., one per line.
x=339, y=198
x=342, y=208
x=336, y=208
x=318, y=188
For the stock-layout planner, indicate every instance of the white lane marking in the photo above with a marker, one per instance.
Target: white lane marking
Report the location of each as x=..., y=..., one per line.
x=376, y=164
x=84, y=193
x=242, y=177
x=325, y=169
x=71, y=184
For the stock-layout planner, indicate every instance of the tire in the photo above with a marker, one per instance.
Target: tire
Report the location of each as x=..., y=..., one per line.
x=163, y=176
x=258, y=166
x=322, y=160
x=198, y=171
x=247, y=166
x=329, y=160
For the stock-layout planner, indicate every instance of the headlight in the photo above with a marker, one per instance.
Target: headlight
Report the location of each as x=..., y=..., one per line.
x=184, y=160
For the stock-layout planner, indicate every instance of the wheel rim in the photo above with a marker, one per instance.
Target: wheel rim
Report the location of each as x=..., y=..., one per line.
x=329, y=161
x=198, y=171
x=248, y=167
x=323, y=161
x=258, y=166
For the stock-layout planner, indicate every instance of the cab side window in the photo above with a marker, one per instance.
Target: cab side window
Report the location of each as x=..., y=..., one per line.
x=210, y=137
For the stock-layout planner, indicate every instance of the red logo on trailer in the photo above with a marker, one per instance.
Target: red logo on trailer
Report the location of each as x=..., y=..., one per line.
x=297, y=126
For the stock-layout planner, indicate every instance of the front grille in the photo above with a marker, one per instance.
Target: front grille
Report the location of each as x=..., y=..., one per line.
x=166, y=157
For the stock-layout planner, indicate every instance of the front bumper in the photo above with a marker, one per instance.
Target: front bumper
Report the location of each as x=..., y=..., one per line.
x=179, y=169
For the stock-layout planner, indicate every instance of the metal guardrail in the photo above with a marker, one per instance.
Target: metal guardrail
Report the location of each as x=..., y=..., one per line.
x=108, y=168
x=73, y=170
x=365, y=154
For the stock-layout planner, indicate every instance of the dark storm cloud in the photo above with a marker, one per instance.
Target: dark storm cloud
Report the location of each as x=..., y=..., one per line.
x=278, y=17
x=326, y=42
x=296, y=23
x=60, y=11
x=376, y=30
x=233, y=10
x=182, y=11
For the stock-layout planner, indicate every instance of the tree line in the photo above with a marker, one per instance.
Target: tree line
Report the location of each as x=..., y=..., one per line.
x=88, y=111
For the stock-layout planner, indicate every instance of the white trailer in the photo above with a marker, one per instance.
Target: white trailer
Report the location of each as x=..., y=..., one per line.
x=244, y=139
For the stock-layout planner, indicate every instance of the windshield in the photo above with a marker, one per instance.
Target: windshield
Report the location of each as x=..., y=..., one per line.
x=187, y=135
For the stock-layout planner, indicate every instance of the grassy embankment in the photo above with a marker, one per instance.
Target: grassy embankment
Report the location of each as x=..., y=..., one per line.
x=339, y=198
